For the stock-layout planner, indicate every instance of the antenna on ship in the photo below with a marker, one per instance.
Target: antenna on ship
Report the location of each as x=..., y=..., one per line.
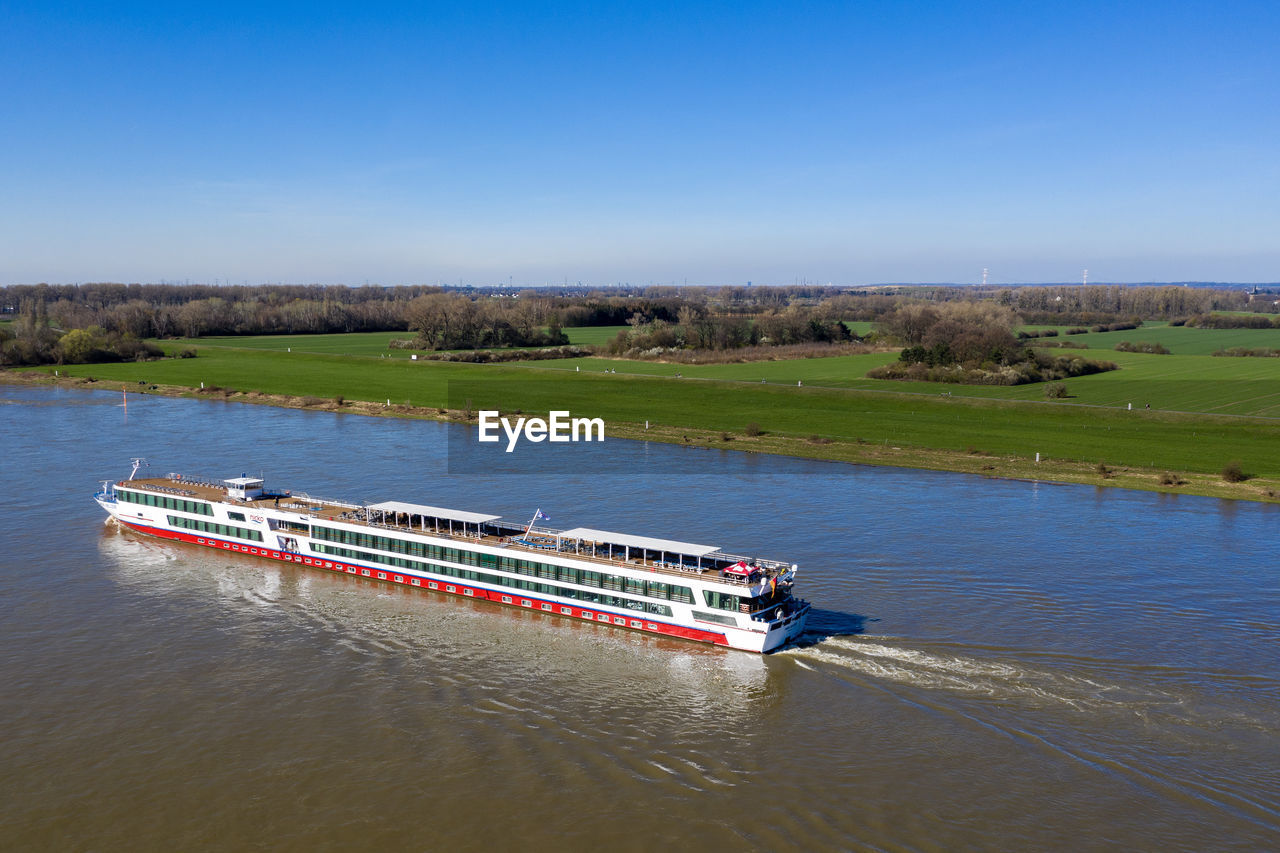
x=137, y=463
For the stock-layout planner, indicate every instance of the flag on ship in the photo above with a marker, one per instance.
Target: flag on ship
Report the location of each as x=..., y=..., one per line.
x=541, y=515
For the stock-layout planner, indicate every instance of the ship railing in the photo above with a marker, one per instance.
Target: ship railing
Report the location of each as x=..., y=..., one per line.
x=312, y=501
x=152, y=487
x=197, y=480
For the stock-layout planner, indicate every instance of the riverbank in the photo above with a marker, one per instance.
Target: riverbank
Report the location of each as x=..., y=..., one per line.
x=887, y=451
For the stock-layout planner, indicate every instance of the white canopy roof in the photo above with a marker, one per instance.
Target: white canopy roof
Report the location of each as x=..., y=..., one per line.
x=244, y=481
x=668, y=545
x=433, y=512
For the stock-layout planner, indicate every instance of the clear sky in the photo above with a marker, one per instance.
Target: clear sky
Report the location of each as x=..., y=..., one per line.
x=848, y=142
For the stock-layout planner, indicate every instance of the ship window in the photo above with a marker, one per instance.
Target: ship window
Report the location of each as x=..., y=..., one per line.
x=721, y=601
x=546, y=607
x=506, y=599
x=236, y=516
x=567, y=611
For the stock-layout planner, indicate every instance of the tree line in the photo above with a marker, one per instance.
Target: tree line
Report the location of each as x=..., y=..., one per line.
x=657, y=318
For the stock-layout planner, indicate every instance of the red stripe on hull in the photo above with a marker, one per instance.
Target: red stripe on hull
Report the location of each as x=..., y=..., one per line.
x=448, y=587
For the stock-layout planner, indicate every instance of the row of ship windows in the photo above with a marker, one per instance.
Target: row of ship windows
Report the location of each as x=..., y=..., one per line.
x=506, y=599
x=568, y=611
x=148, y=499
x=499, y=580
x=213, y=527
x=533, y=568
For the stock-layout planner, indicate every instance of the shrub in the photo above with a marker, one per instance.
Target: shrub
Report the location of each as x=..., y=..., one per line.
x=1170, y=479
x=753, y=429
x=1104, y=471
x=339, y=400
x=1233, y=472
x=724, y=436
x=1142, y=346
x=1246, y=352
x=1056, y=391
x=189, y=352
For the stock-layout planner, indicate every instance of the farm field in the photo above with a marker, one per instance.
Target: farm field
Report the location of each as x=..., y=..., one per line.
x=728, y=398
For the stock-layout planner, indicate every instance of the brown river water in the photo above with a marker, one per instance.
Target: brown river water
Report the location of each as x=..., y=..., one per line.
x=990, y=665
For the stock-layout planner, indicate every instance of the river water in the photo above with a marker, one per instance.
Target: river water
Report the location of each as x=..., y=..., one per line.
x=997, y=665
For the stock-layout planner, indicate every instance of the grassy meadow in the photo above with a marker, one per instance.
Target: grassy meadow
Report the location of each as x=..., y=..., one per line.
x=1179, y=340
x=833, y=403
x=363, y=343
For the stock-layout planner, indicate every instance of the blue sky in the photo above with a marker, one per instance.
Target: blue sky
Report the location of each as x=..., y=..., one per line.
x=639, y=142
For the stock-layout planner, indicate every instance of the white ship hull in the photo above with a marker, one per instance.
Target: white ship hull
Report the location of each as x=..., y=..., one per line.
x=653, y=599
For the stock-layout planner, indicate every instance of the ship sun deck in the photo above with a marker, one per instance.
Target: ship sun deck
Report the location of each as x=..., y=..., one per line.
x=585, y=544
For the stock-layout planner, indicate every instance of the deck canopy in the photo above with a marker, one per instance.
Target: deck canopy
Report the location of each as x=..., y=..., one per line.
x=586, y=534
x=433, y=512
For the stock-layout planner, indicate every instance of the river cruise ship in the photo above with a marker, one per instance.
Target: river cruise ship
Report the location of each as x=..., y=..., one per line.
x=658, y=586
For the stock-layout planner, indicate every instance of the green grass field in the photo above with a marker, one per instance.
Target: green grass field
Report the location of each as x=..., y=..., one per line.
x=728, y=397
x=1233, y=386
x=1183, y=383
x=593, y=335
x=364, y=343
x=1179, y=340
x=354, y=343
